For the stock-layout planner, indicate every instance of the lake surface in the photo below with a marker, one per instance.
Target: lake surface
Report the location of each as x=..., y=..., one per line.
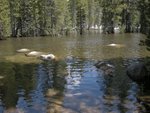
x=72, y=84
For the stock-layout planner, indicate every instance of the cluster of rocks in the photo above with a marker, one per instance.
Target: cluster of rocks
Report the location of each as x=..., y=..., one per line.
x=38, y=54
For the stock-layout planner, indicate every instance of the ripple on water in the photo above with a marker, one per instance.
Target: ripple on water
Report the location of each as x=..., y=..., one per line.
x=97, y=93
x=87, y=89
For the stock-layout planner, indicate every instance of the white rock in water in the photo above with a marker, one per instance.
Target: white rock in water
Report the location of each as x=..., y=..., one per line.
x=111, y=44
x=116, y=45
x=34, y=53
x=47, y=57
x=1, y=77
x=23, y=50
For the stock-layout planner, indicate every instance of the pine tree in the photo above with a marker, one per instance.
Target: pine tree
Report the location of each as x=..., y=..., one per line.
x=144, y=15
x=62, y=16
x=4, y=19
x=81, y=15
x=73, y=11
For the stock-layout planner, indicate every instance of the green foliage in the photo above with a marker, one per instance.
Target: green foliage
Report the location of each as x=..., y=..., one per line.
x=144, y=7
x=15, y=76
x=72, y=6
x=63, y=22
x=81, y=15
x=4, y=18
x=20, y=18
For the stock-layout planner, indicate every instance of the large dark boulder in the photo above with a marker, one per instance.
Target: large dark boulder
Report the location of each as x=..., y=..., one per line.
x=138, y=72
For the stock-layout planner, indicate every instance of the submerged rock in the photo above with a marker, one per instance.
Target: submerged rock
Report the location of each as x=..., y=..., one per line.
x=107, y=68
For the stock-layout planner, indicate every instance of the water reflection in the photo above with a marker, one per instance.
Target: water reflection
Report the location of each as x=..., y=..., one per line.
x=96, y=92
x=74, y=73
x=24, y=86
x=72, y=84
x=16, y=76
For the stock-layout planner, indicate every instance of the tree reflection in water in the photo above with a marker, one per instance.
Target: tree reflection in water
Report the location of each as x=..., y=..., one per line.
x=24, y=86
x=66, y=86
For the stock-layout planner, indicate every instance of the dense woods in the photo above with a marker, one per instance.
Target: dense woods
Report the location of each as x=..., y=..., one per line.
x=23, y=18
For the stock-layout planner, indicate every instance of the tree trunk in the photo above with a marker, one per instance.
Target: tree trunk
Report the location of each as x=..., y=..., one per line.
x=1, y=31
x=128, y=23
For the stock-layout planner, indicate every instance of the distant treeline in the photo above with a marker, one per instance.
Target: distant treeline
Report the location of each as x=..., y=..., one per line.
x=24, y=18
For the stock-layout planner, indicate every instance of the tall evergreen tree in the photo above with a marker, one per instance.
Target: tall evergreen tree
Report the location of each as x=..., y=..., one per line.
x=4, y=19
x=145, y=27
x=144, y=15
x=90, y=14
x=51, y=17
x=73, y=11
x=63, y=20
x=15, y=16
x=108, y=16
x=81, y=15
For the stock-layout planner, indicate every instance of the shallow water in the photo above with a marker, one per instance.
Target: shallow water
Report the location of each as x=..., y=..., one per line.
x=72, y=84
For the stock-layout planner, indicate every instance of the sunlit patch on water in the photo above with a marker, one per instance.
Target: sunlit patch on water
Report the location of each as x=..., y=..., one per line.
x=73, y=78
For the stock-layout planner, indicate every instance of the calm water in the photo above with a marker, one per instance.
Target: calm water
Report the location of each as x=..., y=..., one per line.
x=72, y=84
